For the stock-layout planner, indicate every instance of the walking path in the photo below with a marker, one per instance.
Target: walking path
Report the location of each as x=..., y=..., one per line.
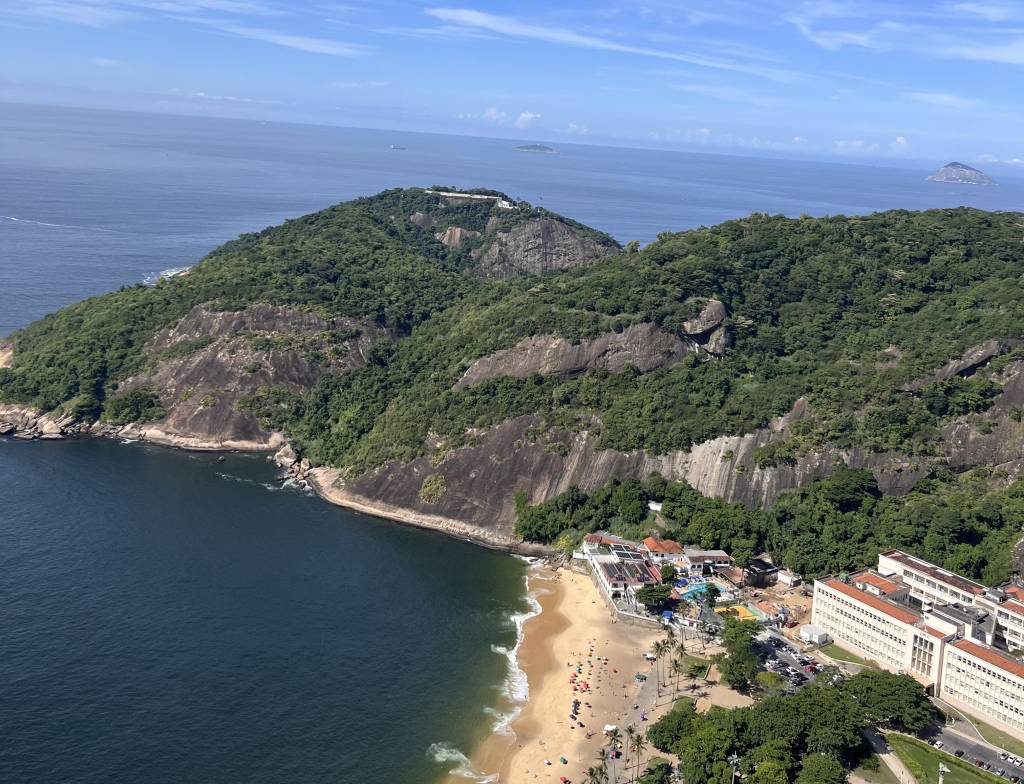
x=889, y=758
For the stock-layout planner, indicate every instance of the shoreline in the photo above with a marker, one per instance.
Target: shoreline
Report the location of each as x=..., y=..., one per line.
x=29, y=424
x=573, y=633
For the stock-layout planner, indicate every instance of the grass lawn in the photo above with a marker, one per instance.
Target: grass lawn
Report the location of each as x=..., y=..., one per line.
x=841, y=654
x=923, y=762
x=877, y=773
x=999, y=738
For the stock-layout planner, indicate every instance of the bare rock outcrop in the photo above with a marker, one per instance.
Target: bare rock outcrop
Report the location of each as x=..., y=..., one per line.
x=6, y=354
x=454, y=236
x=972, y=359
x=993, y=437
x=422, y=219
x=535, y=247
x=203, y=365
x=25, y=422
x=480, y=481
x=642, y=346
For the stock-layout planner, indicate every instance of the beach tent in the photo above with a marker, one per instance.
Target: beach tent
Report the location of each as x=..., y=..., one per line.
x=610, y=728
x=666, y=615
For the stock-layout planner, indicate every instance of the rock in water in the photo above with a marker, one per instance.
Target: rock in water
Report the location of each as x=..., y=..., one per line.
x=961, y=173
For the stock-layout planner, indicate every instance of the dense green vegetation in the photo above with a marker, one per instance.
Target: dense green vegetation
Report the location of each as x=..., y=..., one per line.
x=738, y=663
x=923, y=763
x=810, y=737
x=843, y=310
x=966, y=522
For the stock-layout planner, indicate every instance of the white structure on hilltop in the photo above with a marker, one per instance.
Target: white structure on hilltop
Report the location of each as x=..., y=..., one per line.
x=950, y=633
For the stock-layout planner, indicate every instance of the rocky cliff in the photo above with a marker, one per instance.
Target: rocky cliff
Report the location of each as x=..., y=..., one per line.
x=641, y=346
x=207, y=362
x=535, y=247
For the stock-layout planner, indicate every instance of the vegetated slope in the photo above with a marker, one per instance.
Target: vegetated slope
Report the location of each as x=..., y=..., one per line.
x=745, y=358
x=341, y=280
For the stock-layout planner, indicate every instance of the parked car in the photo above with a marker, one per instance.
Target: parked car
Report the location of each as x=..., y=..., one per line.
x=958, y=753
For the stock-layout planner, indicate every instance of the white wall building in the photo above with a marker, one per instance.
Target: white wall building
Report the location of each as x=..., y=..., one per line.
x=895, y=616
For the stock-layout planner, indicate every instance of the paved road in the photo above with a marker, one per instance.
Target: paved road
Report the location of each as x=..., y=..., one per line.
x=953, y=741
x=888, y=758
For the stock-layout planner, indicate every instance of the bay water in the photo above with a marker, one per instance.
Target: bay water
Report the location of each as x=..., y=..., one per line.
x=169, y=617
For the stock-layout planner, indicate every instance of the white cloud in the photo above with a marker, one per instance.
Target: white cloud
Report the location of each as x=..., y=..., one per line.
x=730, y=94
x=491, y=114
x=464, y=18
x=941, y=99
x=525, y=119
x=990, y=12
x=577, y=128
x=798, y=141
x=301, y=42
x=899, y=144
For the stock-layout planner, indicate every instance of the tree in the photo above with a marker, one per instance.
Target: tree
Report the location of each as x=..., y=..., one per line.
x=891, y=699
x=738, y=665
x=769, y=682
x=658, y=771
x=711, y=594
x=639, y=747
x=673, y=726
x=654, y=597
x=668, y=573
x=821, y=769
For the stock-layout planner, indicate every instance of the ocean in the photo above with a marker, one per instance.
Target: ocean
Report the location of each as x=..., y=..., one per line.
x=168, y=617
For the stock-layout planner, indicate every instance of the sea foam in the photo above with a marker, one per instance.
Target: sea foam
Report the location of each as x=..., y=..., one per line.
x=445, y=753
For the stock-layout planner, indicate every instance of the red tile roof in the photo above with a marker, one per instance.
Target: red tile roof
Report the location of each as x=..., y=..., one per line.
x=1015, y=590
x=1012, y=605
x=935, y=632
x=899, y=613
x=993, y=657
x=884, y=584
x=666, y=546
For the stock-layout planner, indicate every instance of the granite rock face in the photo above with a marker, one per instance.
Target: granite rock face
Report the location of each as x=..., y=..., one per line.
x=535, y=247
x=642, y=346
x=237, y=353
x=481, y=481
x=453, y=236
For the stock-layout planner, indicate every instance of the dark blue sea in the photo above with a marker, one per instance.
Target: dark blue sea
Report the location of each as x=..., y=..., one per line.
x=165, y=617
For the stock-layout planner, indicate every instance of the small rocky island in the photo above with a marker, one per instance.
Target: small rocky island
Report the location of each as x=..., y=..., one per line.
x=961, y=173
x=535, y=148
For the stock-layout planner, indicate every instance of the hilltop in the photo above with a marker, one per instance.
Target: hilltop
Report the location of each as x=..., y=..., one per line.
x=429, y=354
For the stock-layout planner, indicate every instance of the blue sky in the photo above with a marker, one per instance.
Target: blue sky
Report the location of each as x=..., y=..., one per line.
x=825, y=78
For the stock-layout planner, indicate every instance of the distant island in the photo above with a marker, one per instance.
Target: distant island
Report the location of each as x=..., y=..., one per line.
x=961, y=173
x=535, y=148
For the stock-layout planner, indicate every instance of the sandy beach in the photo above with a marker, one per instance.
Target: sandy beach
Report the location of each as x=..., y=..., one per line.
x=574, y=633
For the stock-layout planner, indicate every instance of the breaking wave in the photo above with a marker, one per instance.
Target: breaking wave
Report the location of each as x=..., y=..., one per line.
x=170, y=272
x=446, y=754
x=12, y=219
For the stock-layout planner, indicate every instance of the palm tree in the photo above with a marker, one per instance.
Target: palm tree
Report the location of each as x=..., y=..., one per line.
x=659, y=651
x=639, y=745
x=602, y=762
x=631, y=735
x=675, y=669
x=614, y=737
x=593, y=775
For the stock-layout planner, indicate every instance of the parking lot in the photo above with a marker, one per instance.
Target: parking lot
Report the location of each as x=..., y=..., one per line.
x=776, y=654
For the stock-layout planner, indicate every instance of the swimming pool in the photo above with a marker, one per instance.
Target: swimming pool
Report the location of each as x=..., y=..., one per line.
x=695, y=590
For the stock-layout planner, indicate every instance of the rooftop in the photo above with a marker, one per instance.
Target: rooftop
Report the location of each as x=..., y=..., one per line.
x=630, y=572
x=667, y=546
x=936, y=572
x=893, y=610
x=992, y=656
x=873, y=578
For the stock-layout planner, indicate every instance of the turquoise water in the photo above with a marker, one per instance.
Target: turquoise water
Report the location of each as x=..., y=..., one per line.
x=695, y=590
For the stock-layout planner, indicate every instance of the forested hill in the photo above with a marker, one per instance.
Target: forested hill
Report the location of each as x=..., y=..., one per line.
x=490, y=346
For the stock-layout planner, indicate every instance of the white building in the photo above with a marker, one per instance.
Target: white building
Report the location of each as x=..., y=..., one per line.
x=894, y=616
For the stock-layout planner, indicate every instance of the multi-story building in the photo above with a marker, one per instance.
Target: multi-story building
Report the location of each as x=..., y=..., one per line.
x=954, y=635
